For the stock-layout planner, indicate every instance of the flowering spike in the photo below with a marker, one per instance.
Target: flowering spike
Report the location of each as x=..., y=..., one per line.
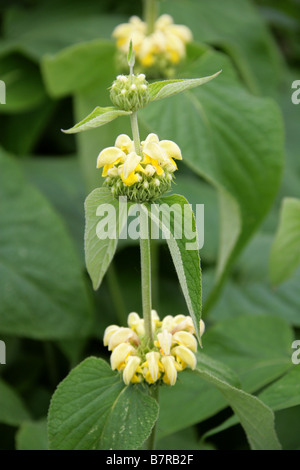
x=171, y=353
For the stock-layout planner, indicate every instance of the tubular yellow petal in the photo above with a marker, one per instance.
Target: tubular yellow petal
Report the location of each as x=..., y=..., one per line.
x=110, y=330
x=150, y=138
x=186, y=355
x=165, y=341
x=153, y=364
x=121, y=336
x=183, y=32
x=119, y=354
x=202, y=327
x=185, y=339
x=131, y=178
x=168, y=323
x=124, y=143
x=122, y=30
x=131, y=162
x=170, y=375
x=155, y=152
x=171, y=149
x=163, y=21
x=175, y=44
x=132, y=364
x=133, y=319
x=109, y=155
x=185, y=324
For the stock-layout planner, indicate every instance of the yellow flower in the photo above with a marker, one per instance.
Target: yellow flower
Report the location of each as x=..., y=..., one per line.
x=110, y=330
x=166, y=45
x=152, y=361
x=120, y=354
x=129, y=372
x=123, y=162
x=185, y=356
x=185, y=339
x=170, y=375
x=172, y=351
x=121, y=336
x=164, y=342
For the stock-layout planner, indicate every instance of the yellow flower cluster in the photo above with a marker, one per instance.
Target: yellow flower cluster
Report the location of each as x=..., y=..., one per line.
x=174, y=348
x=166, y=44
x=123, y=162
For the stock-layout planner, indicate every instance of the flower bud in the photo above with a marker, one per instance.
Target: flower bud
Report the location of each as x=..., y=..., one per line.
x=130, y=93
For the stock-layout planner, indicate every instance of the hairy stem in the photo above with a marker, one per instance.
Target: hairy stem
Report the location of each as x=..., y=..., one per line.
x=116, y=294
x=146, y=275
x=150, y=14
x=135, y=132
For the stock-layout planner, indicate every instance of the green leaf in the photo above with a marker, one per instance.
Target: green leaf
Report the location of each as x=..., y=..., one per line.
x=97, y=118
x=24, y=87
x=12, y=408
x=285, y=253
x=100, y=251
x=230, y=152
x=32, y=436
x=77, y=66
x=185, y=257
x=30, y=32
x=257, y=348
x=43, y=292
x=281, y=395
x=93, y=409
x=285, y=392
x=236, y=27
x=255, y=417
x=167, y=88
x=61, y=181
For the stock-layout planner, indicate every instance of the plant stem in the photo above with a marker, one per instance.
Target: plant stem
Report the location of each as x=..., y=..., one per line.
x=150, y=14
x=154, y=245
x=116, y=294
x=146, y=275
x=135, y=132
x=154, y=393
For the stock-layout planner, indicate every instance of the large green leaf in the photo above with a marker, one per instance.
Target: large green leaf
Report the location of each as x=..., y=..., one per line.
x=42, y=289
x=61, y=181
x=24, y=87
x=253, y=297
x=100, y=251
x=255, y=417
x=285, y=254
x=51, y=26
x=233, y=140
x=285, y=392
x=12, y=409
x=93, y=409
x=32, y=436
x=186, y=258
x=237, y=28
x=257, y=348
x=281, y=395
x=77, y=66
